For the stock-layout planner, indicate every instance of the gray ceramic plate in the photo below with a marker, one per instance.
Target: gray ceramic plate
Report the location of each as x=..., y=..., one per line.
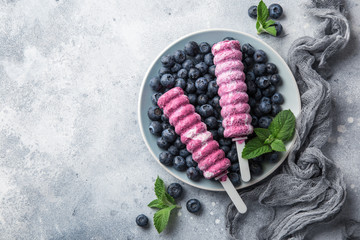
x=288, y=89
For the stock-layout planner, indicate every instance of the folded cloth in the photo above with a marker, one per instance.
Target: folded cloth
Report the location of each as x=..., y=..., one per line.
x=309, y=188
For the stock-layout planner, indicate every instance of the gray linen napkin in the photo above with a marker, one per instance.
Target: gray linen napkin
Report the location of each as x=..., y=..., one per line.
x=309, y=188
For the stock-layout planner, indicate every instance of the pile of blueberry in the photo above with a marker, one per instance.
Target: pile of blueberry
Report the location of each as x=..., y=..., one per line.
x=193, y=70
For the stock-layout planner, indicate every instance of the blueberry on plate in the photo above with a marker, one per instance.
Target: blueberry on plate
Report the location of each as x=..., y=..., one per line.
x=204, y=47
x=269, y=91
x=194, y=73
x=278, y=28
x=250, y=76
x=265, y=99
x=155, y=128
x=221, y=131
x=164, y=118
x=142, y=220
x=262, y=82
x=272, y=157
x=215, y=102
x=201, y=83
x=235, y=167
x=252, y=12
x=234, y=178
x=275, y=79
x=199, y=91
x=155, y=84
x=191, y=48
x=167, y=61
x=251, y=87
x=187, y=64
x=175, y=190
x=265, y=107
x=190, y=88
x=179, y=163
x=162, y=143
x=163, y=70
x=154, y=113
x=173, y=150
x=259, y=69
x=257, y=111
x=208, y=59
x=271, y=68
x=249, y=61
x=232, y=155
x=179, y=56
x=178, y=144
x=252, y=102
x=169, y=135
x=166, y=158
x=155, y=97
x=260, y=56
x=176, y=68
x=198, y=169
x=193, y=174
x=198, y=58
x=212, y=89
x=202, y=99
x=277, y=98
x=192, y=98
x=275, y=11
x=193, y=205
x=211, y=122
x=180, y=82
x=206, y=110
x=254, y=120
x=211, y=70
x=184, y=153
x=214, y=133
x=255, y=168
x=275, y=109
x=226, y=149
x=248, y=49
x=228, y=38
x=190, y=162
x=203, y=67
x=165, y=125
x=167, y=80
x=182, y=73
x=264, y=122
x=208, y=77
x=225, y=142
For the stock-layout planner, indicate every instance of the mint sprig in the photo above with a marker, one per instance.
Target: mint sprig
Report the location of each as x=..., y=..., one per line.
x=164, y=202
x=281, y=129
x=262, y=23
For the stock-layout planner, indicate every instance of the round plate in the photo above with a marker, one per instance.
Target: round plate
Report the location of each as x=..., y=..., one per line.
x=288, y=89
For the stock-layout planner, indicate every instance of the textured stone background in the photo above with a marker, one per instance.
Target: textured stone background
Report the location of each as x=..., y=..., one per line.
x=73, y=164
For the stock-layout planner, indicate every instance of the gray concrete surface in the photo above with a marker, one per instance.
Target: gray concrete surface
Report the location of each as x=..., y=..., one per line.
x=73, y=164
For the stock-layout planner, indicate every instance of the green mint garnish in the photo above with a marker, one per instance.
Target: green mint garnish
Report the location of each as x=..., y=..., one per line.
x=164, y=202
x=281, y=129
x=262, y=23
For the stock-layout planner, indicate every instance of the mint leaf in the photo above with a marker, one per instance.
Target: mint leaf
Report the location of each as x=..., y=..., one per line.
x=283, y=125
x=262, y=13
x=269, y=140
x=157, y=204
x=262, y=133
x=166, y=201
x=269, y=23
x=254, y=148
x=278, y=145
x=170, y=198
x=271, y=30
x=161, y=218
x=159, y=187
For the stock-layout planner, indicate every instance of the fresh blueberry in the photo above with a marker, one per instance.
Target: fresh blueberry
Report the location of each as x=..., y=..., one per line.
x=252, y=102
x=179, y=163
x=155, y=128
x=257, y=111
x=184, y=153
x=201, y=83
x=163, y=70
x=142, y=220
x=173, y=150
x=175, y=190
x=232, y=155
x=211, y=122
x=275, y=109
x=234, y=167
x=178, y=144
x=254, y=120
x=198, y=58
x=200, y=92
x=250, y=76
x=252, y=12
x=180, y=82
x=193, y=174
x=272, y=157
x=162, y=143
x=275, y=11
x=251, y=87
x=277, y=98
x=187, y=64
x=164, y=118
x=204, y=47
x=264, y=122
x=225, y=142
x=169, y=135
x=226, y=149
x=255, y=168
x=211, y=70
x=167, y=61
x=165, y=125
x=190, y=88
x=234, y=178
x=248, y=49
x=269, y=91
x=259, y=69
x=221, y=131
x=182, y=73
x=208, y=59
x=155, y=84
x=155, y=97
x=206, y=110
x=271, y=68
x=191, y=48
x=193, y=205
x=265, y=99
x=198, y=169
x=275, y=79
x=208, y=77
x=258, y=159
x=228, y=38
x=202, y=99
x=203, y=67
x=265, y=107
x=249, y=61
x=278, y=28
x=260, y=56
x=166, y=158
x=154, y=113
x=190, y=162
x=214, y=133
x=215, y=102
x=197, y=109
x=262, y=82
x=167, y=80
x=194, y=73
x=192, y=98
x=176, y=68
x=212, y=88
x=179, y=56
x=174, y=75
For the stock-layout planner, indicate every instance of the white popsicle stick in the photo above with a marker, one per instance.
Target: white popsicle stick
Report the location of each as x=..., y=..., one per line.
x=234, y=196
x=243, y=163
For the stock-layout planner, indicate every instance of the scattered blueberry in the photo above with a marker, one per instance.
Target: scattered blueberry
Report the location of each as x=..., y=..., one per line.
x=275, y=79
x=262, y=82
x=190, y=88
x=201, y=83
x=234, y=178
x=154, y=113
x=187, y=64
x=192, y=99
x=277, y=98
x=208, y=59
x=180, y=82
x=155, y=97
x=264, y=122
x=193, y=205
x=202, y=99
x=193, y=174
x=182, y=73
x=173, y=150
x=191, y=48
x=167, y=80
x=155, y=84
x=194, y=73
x=228, y=38
x=275, y=11
x=206, y=110
x=204, y=47
x=211, y=70
x=253, y=12
x=203, y=67
x=179, y=163
x=184, y=153
x=169, y=135
x=260, y=56
x=271, y=68
x=155, y=128
x=255, y=168
x=278, y=28
x=166, y=158
x=190, y=162
x=179, y=56
x=142, y=220
x=175, y=190
x=275, y=109
x=259, y=69
x=232, y=155
x=211, y=122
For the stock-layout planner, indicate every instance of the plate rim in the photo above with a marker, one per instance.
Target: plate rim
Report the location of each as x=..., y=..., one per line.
x=241, y=187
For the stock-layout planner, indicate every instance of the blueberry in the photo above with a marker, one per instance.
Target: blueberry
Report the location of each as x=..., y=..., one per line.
x=211, y=122
x=188, y=64
x=193, y=174
x=260, y=56
x=215, y=102
x=208, y=59
x=190, y=88
x=206, y=110
x=180, y=82
x=248, y=49
x=221, y=131
x=254, y=120
x=234, y=178
x=252, y=12
x=214, y=133
x=265, y=107
x=264, y=122
x=278, y=28
x=275, y=109
x=166, y=158
x=226, y=149
x=194, y=73
x=142, y=220
x=190, y=162
x=225, y=142
x=269, y=91
x=154, y=113
x=179, y=163
x=167, y=80
x=200, y=92
x=259, y=69
x=178, y=144
x=271, y=68
x=262, y=82
x=212, y=88
x=163, y=70
x=155, y=128
x=169, y=135
x=203, y=67
x=192, y=99
x=155, y=97
x=193, y=205
x=232, y=155
x=250, y=76
x=164, y=118
x=202, y=99
x=259, y=159
x=277, y=98
x=155, y=84
x=179, y=56
x=251, y=87
x=249, y=61
x=228, y=38
x=208, y=77
x=197, y=108
x=184, y=153
x=175, y=190
x=176, y=68
x=265, y=99
x=162, y=143
x=275, y=79
x=191, y=48
x=201, y=83
x=167, y=61
x=272, y=157
x=200, y=172
x=165, y=125
x=173, y=150
x=211, y=70
x=252, y=102
x=275, y=11
x=234, y=167
x=255, y=168
x=182, y=73
x=204, y=47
